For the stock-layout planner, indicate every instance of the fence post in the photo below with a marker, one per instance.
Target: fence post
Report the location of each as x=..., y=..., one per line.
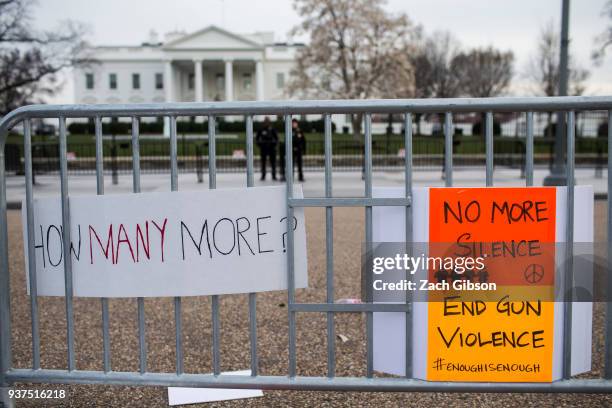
x=114, y=161
x=599, y=161
x=5, y=303
x=34, y=147
x=551, y=158
x=5, y=400
x=199, y=164
x=360, y=147
x=388, y=133
x=523, y=154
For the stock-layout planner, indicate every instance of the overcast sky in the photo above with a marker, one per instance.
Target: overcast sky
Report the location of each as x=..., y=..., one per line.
x=512, y=25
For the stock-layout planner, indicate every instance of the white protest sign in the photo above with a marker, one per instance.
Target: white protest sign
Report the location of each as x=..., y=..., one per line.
x=169, y=244
x=437, y=358
x=184, y=395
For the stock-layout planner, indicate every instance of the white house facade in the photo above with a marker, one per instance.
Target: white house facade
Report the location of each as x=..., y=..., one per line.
x=211, y=64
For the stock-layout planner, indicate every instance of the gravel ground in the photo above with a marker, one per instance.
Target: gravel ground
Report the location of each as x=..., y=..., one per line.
x=272, y=334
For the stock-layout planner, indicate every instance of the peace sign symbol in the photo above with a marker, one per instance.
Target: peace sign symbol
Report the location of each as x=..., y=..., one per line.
x=534, y=273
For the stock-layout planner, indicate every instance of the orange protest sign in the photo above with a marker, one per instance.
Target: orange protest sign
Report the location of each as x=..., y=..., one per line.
x=513, y=229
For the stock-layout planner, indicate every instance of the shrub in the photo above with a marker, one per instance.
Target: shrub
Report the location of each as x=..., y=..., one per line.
x=477, y=128
x=602, y=130
x=157, y=127
x=88, y=128
x=152, y=127
x=551, y=130
x=81, y=128
x=191, y=127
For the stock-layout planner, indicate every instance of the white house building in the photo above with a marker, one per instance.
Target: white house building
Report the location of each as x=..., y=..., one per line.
x=211, y=64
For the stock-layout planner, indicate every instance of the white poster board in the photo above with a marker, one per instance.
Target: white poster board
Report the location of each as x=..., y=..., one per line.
x=390, y=328
x=186, y=395
x=192, y=243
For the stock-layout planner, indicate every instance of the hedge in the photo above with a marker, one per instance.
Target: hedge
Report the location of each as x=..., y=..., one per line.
x=602, y=130
x=477, y=128
x=124, y=128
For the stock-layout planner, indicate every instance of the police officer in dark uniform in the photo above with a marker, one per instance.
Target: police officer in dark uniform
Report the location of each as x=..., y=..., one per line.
x=299, y=148
x=267, y=140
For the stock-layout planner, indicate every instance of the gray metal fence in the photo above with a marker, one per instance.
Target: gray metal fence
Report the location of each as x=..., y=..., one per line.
x=509, y=130
x=10, y=375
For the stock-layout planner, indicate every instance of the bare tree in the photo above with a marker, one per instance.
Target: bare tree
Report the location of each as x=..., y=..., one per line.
x=30, y=60
x=432, y=62
x=484, y=73
x=543, y=70
x=604, y=40
x=356, y=51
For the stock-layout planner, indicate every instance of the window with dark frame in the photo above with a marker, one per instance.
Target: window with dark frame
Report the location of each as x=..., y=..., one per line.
x=280, y=80
x=112, y=81
x=89, y=81
x=220, y=78
x=135, y=81
x=159, y=81
x=247, y=82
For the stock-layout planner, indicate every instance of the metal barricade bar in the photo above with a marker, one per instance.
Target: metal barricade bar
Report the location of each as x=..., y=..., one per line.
x=66, y=242
x=446, y=107
x=290, y=264
x=27, y=153
x=448, y=149
x=408, y=220
x=214, y=299
x=302, y=383
x=489, y=148
x=349, y=202
x=608, y=355
x=252, y=296
x=177, y=300
x=529, y=151
x=568, y=271
x=100, y=191
x=368, y=243
x=142, y=340
x=329, y=249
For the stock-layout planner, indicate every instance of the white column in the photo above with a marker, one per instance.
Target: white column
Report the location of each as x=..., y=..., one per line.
x=168, y=81
x=259, y=80
x=229, y=80
x=177, y=85
x=169, y=90
x=197, y=66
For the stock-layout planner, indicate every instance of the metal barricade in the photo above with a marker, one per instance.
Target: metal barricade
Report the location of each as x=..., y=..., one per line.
x=10, y=375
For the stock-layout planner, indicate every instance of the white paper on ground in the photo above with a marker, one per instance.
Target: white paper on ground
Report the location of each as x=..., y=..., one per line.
x=389, y=328
x=169, y=244
x=185, y=395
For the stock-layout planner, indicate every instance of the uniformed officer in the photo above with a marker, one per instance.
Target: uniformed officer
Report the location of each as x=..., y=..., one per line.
x=267, y=140
x=299, y=147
